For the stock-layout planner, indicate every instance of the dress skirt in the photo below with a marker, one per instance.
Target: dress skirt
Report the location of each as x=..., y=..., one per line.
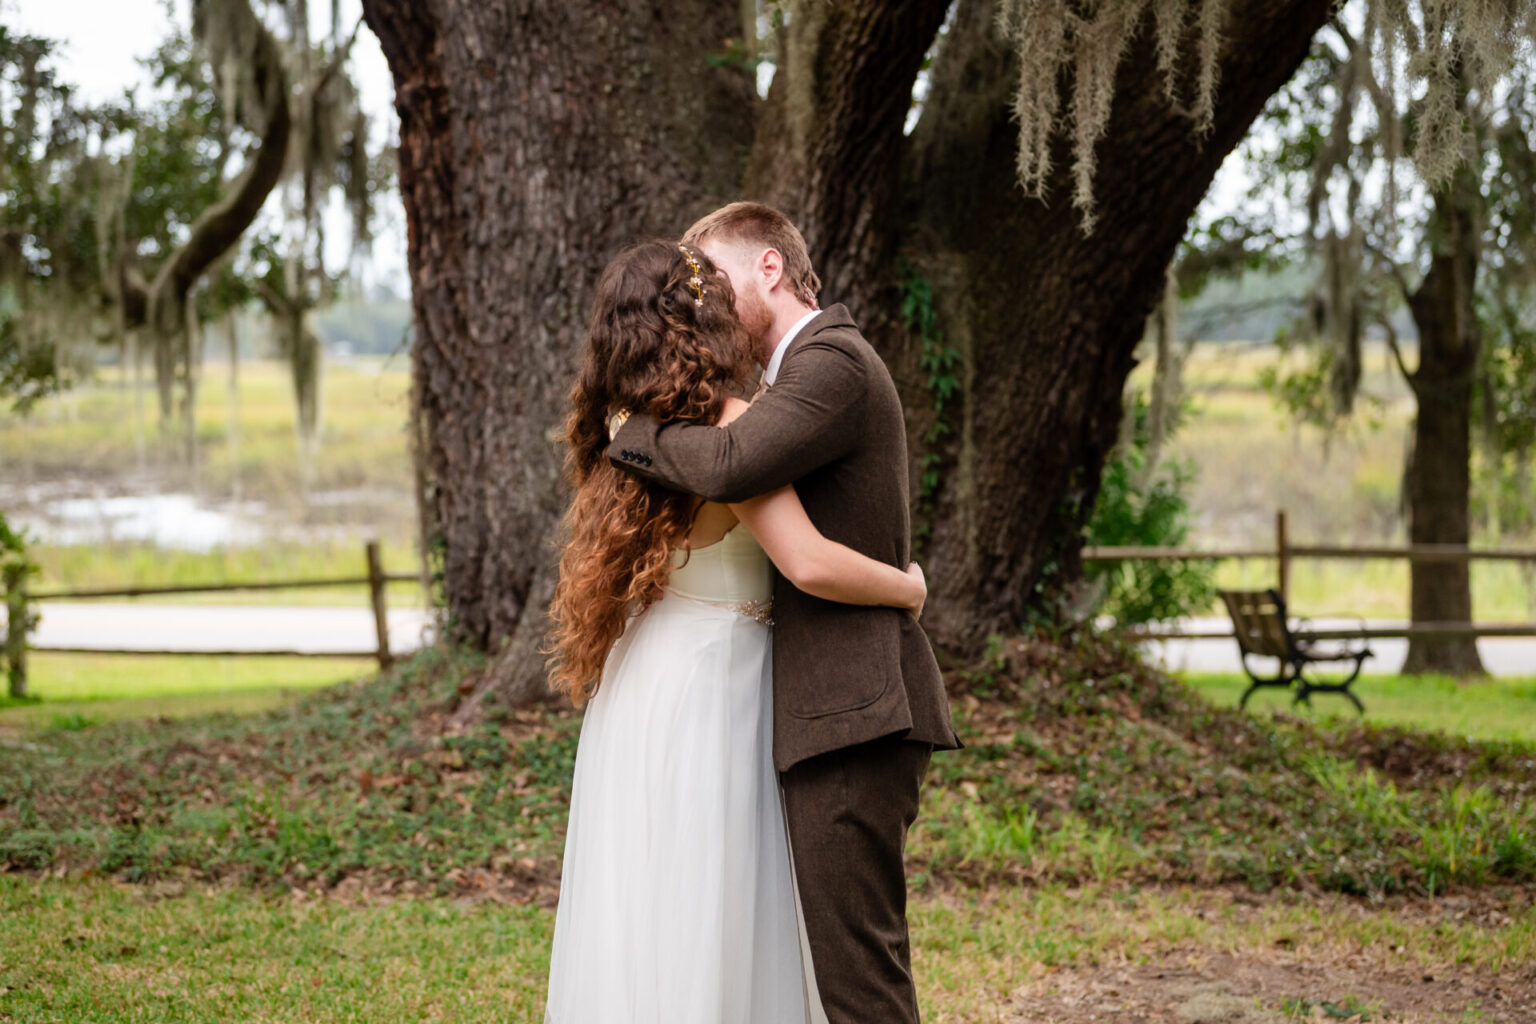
x=676, y=904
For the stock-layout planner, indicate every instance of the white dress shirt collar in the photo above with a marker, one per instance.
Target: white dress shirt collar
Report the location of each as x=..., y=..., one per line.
x=772, y=373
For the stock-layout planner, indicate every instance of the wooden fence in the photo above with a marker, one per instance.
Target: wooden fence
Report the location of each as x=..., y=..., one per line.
x=1285, y=553
x=18, y=599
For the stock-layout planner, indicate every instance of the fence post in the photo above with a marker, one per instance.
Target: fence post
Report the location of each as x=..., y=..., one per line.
x=376, y=594
x=16, y=629
x=1283, y=554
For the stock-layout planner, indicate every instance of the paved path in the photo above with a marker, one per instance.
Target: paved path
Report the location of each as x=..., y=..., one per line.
x=267, y=627
x=142, y=626
x=1502, y=656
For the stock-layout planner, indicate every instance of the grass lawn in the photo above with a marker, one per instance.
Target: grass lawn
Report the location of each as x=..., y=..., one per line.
x=89, y=430
x=94, y=952
x=1487, y=709
x=89, y=950
x=1109, y=846
x=77, y=690
x=1082, y=767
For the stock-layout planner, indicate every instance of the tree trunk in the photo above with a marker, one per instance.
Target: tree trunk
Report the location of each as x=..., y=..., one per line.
x=536, y=140
x=192, y=375
x=232, y=400
x=1043, y=317
x=1438, y=479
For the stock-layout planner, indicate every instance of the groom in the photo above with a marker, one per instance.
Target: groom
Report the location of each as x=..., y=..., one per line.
x=857, y=698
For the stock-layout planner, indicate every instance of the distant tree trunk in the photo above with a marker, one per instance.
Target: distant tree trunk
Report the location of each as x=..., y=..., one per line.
x=1166, y=370
x=136, y=371
x=291, y=308
x=1437, y=484
x=536, y=140
x=192, y=372
x=232, y=400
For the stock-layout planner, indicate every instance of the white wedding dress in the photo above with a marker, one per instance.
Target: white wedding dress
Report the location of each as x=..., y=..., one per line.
x=676, y=902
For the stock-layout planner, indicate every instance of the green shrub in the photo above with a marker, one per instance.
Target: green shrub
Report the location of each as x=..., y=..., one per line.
x=1142, y=509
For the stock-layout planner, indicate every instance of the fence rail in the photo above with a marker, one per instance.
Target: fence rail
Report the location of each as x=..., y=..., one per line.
x=18, y=600
x=1284, y=552
x=213, y=588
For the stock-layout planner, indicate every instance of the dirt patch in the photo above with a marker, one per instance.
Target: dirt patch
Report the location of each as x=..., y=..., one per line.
x=1270, y=987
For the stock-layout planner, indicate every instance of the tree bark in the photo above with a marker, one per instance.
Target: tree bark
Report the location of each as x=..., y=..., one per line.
x=1044, y=317
x=536, y=140
x=1438, y=483
x=830, y=151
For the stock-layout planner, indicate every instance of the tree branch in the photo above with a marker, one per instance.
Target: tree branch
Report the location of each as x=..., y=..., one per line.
x=340, y=58
x=222, y=224
x=1410, y=377
x=1394, y=269
x=277, y=303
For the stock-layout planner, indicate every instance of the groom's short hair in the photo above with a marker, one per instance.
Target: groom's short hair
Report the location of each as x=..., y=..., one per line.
x=760, y=224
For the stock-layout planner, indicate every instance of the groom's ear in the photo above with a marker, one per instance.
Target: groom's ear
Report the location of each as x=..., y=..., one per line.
x=771, y=265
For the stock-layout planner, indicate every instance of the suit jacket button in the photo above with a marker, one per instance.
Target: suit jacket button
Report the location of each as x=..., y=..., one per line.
x=646, y=459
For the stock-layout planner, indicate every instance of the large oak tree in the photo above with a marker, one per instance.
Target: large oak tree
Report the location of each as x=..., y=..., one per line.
x=537, y=139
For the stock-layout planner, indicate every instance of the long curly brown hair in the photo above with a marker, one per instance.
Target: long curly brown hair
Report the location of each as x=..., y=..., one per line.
x=652, y=347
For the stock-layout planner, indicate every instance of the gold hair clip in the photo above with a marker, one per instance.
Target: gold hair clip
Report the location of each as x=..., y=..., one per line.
x=696, y=282
x=615, y=421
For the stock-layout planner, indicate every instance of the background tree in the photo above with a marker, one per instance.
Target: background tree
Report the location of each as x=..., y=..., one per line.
x=49, y=184
x=1390, y=234
x=154, y=290
x=1507, y=386
x=156, y=232
x=328, y=153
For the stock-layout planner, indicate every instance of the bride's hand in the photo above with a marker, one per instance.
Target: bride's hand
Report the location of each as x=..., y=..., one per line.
x=916, y=572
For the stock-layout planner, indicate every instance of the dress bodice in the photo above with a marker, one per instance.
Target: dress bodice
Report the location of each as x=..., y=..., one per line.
x=732, y=569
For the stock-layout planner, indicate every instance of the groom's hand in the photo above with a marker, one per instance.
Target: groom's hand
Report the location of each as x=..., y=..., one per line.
x=916, y=572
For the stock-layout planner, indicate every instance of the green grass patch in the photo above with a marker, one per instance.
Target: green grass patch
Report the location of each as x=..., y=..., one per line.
x=1375, y=588
x=972, y=949
x=55, y=677
x=82, y=949
x=351, y=781
x=1082, y=766
x=1102, y=817
x=88, y=431
x=74, y=691
x=1485, y=709
x=90, y=951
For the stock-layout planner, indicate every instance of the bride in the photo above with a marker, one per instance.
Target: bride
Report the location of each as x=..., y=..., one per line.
x=677, y=904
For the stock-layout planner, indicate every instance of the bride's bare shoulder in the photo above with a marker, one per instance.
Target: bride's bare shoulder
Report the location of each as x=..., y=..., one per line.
x=732, y=408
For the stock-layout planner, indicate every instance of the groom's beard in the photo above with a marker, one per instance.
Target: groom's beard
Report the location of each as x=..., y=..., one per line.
x=757, y=319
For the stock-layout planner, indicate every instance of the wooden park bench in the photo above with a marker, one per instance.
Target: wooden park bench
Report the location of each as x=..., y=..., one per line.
x=1263, y=630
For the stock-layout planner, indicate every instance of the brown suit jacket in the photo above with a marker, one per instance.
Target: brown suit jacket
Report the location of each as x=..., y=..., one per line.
x=832, y=425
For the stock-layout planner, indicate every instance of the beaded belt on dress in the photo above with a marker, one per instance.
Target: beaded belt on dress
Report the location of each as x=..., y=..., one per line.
x=758, y=611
